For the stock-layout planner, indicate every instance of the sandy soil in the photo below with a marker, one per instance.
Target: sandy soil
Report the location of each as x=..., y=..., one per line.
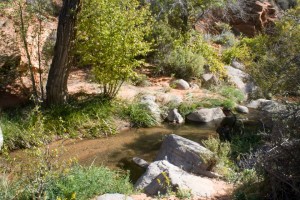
x=80, y=82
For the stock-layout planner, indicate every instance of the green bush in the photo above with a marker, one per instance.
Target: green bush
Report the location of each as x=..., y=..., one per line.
x=222, y=151
x=239, y=52
x=232, y=93
x=184, y=63
x=276, y=57
x=87, y=182
x=188, y=55
x=45, y=176
x=226, y=38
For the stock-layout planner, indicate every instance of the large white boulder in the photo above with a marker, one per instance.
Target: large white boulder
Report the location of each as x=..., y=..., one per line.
x=242, y=109
x=186, y=154
x=162, y=175
x=181, y=84
x=206, y=115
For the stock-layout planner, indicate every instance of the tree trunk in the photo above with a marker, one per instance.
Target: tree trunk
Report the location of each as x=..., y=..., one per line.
x=57, y=91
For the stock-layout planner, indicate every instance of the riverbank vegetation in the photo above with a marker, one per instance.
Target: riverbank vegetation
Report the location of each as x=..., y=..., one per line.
x=45, y=177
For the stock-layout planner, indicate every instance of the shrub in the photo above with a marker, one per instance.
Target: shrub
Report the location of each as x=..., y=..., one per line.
x=232, y=93
x=222, y=152
x=276, y=57
x=188, y=55
x=184, y=63
x=226, y=38
x=239, y=52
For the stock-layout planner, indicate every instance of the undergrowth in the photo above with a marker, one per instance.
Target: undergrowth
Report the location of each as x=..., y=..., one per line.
x=233, y=157
x=87, y=182
x=33, y=126
x=45, y=177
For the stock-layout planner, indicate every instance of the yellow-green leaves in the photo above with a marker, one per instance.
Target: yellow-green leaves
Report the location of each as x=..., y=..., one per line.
x=110, y=37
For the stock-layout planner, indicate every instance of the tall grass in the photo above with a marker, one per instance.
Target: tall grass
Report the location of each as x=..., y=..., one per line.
x=78, y=183
x=139, y=115
x=33, y=126
x=231, y=93
x=87, y=182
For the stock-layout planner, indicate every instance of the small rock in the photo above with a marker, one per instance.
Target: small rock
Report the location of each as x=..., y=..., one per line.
x=140, y=162
x=167, y=98
x=257, y=103
x=181, y=84
x=242, y=109
x=206, y=115
x=115, y=196
x=174, y=116
x=209, y=80
x=238, y=65
x=195, y=86
x=148, y=98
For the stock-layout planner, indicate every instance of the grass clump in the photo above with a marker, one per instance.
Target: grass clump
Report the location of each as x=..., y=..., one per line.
x=87, y=182
x=24, y=130
x=88, y=118
x=139, y=115
x=78, y=183
x=188, y=107
x=232, y=93
x=222, y=152
x=184, y=194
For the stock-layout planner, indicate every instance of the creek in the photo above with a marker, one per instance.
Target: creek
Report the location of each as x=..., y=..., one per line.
x=117, y=151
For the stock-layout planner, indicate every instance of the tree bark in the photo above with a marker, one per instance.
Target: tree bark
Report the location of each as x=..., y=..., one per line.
x=56, y=89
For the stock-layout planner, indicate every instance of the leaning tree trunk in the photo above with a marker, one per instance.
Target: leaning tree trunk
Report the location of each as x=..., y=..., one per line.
x=57, y=91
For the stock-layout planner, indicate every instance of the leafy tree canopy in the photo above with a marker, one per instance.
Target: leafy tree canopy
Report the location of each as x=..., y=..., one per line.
x=110, y=38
